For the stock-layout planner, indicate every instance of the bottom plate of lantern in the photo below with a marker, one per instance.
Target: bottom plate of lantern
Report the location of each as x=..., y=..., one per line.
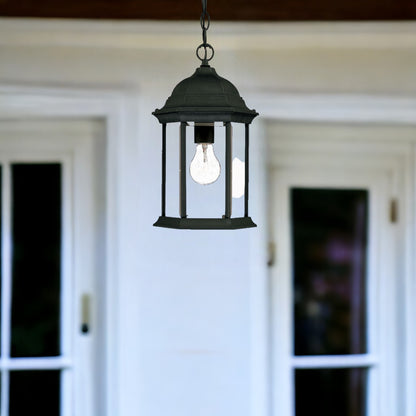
x=205, y=223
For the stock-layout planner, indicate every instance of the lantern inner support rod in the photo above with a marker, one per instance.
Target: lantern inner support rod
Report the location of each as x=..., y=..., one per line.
x=164, y=169
x=182, y=170
x=228, y=170
x=246, y=173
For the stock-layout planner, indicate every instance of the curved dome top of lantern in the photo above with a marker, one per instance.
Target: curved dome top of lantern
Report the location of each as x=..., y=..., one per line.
x=205, y=97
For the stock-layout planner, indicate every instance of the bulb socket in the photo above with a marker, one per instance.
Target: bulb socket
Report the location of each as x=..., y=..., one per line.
x=204, y=134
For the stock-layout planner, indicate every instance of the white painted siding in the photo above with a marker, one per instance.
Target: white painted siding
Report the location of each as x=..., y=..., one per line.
x=189, y=309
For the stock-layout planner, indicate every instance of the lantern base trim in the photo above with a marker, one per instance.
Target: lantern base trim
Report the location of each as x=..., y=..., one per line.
x=205, y=223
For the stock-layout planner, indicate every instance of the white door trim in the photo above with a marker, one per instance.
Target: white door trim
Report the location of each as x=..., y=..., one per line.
x=338, y=108
x=70, y=144
x=380, y=286
x=118, y=110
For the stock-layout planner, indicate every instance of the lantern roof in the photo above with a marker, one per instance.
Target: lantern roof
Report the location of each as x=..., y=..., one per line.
x=205, y=97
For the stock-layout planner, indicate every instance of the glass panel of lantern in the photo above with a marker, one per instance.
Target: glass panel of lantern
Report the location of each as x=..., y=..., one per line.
x=172, y=169
x=203, y=154
x=206, y=173
x=206, y=167
x=238, y=169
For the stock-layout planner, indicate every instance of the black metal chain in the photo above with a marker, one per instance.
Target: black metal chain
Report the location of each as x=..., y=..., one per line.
x=205, y=23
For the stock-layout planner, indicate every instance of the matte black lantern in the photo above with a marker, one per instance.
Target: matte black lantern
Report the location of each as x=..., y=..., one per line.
x=202, y=100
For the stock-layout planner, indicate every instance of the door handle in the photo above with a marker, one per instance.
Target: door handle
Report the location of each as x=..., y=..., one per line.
x=85, y=313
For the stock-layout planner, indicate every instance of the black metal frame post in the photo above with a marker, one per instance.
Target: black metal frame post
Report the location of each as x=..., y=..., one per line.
x=246, y=173
x=228, y=170
x=182, y=170
x=163, y=169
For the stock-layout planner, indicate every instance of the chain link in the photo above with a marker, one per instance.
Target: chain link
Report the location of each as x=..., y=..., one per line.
x=205, y=21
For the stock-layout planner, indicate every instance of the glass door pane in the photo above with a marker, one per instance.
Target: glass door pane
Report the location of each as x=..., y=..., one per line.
x=36, y=260
x=53, y=240
x=331, y=392
x=329, y=238
x=34, y=393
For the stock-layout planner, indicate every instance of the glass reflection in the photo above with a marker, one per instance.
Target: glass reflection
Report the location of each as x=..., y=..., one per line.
x=36, y=260
x=329, y=229
x=35, y=393
x=331, y=392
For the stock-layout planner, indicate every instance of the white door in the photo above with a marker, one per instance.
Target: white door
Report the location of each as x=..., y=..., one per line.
x=50, y=261
x=336, y=283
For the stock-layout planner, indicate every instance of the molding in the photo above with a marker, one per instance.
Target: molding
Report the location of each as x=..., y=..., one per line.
x=351, y=108
x=357, y=110
x=181, y=35
x=63, y=126
x=19, y=102
x=113, y=107
x=386, y=352
x=32, y=101
x=94, y=102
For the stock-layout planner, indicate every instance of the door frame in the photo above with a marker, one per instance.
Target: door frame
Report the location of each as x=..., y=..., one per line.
x=381, y=288
x=73, y=144
x=331, y=108
x=118, y=110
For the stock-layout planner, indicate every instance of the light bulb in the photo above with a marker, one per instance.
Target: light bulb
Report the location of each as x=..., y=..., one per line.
x=205, y=167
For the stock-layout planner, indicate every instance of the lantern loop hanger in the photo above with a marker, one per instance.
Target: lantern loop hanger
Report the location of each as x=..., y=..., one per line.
x=208, y=53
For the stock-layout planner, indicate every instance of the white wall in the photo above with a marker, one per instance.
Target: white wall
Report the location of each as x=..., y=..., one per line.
x=189, y=302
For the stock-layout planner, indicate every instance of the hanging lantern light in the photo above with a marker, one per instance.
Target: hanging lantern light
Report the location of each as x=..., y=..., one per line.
x=202, y=100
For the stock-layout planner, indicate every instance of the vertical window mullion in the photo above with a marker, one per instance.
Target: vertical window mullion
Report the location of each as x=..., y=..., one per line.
x=67, y=294
x=5, y=392
x=67, y=290
x=6, y=285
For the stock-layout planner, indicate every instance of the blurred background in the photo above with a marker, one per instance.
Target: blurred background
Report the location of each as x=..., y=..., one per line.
x=310, y=313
